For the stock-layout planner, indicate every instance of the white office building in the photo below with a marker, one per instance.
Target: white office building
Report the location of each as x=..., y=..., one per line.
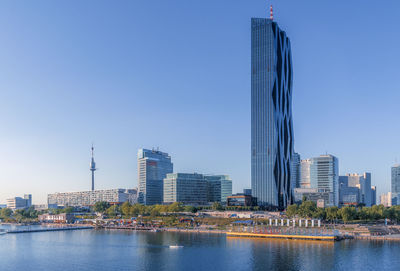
x=20, y=203
x=89, y=198
x=321, y=173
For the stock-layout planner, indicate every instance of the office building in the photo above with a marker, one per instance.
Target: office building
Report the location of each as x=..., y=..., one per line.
x=386, y=199
x=153, y=167
x=321, y=173
x=247, y=191
x=396, y=182
x=305, y=177
x=219, y=187
x=373, y=195
x=89, y=198
x=271, y=114
x=348, y=195
x=187, y=188
x=321, y=197
x=295, y=172
x=361, y=183
x=20, y=203
x=241, y=200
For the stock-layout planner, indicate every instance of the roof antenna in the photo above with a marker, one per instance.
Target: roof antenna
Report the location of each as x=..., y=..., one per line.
x=271, y=13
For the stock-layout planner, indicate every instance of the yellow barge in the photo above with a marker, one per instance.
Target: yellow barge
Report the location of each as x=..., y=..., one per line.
x=284, y=236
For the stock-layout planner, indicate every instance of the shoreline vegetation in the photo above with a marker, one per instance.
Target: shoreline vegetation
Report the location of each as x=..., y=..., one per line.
x=370, y=223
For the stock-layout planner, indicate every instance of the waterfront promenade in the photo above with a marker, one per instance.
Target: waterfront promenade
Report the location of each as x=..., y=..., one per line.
x=66, y=228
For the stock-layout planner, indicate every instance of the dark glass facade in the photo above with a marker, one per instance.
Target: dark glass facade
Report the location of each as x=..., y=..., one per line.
x=271, y=114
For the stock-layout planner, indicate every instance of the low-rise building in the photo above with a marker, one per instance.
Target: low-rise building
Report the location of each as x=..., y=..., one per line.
x=20, y=203
x=247, y=191
x=89, y=198
x=241, y=200
x=315, y=195
x=42, y=207
x=57, y=218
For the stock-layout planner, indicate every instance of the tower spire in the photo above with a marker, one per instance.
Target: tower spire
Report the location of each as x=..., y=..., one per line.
x=271, y=13
x=92, y=166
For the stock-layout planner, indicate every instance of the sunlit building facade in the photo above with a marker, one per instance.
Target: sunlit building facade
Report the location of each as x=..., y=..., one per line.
x=89, y=198
x=186, y=188
x=322, y=173
x=153, y=167
x=219, y=188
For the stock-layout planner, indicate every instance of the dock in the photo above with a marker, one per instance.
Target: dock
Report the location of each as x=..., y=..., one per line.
x=49, y=229
x=284, y=236
x=132, y=228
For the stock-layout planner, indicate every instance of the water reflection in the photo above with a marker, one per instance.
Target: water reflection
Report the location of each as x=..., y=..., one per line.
x=278, y=254
x=125, y=250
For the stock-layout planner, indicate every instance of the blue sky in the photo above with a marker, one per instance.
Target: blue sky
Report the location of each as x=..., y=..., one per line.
x=176, y=75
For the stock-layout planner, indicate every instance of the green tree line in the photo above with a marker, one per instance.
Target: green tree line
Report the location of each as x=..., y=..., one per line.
x=308, y=209
x=132, y=210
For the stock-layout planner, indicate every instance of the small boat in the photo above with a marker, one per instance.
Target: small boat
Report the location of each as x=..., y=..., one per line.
x=175, y=246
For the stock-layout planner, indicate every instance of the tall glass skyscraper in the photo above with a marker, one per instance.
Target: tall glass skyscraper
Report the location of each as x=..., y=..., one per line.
x=271, y=114
x=396, y=183
x=153, y=167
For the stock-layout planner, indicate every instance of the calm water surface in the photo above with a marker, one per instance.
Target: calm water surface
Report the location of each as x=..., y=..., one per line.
x=117, y=250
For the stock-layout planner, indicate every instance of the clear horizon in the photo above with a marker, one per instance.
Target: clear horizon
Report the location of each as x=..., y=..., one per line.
x=176, y=76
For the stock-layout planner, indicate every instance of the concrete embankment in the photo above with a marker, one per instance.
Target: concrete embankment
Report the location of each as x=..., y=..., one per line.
x=49, y=229
x=379, y=238
x=194, y=230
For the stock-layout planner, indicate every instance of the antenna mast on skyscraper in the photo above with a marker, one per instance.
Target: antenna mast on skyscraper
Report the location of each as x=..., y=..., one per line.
x=271, y=13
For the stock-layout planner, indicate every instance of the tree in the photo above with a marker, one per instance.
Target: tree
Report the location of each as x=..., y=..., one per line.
x=217, y=206
x=292, y=210
x=136, y=209
x=126, y=209
x=362, y=213
x=190, y=209
x=113, y=211
x=101, y=206
x=307, y=209
x=319, y=213
x=175, y=207
x=155, y=211
x=375, y=212
x=68, y=210
x=332, y=213
x=347, y=213
x=5, y=213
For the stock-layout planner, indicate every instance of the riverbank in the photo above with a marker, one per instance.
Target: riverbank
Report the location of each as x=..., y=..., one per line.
x=395, y=237
x=194, y=230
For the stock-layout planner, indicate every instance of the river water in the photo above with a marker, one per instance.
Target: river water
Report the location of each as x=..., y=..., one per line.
x=124, y=250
